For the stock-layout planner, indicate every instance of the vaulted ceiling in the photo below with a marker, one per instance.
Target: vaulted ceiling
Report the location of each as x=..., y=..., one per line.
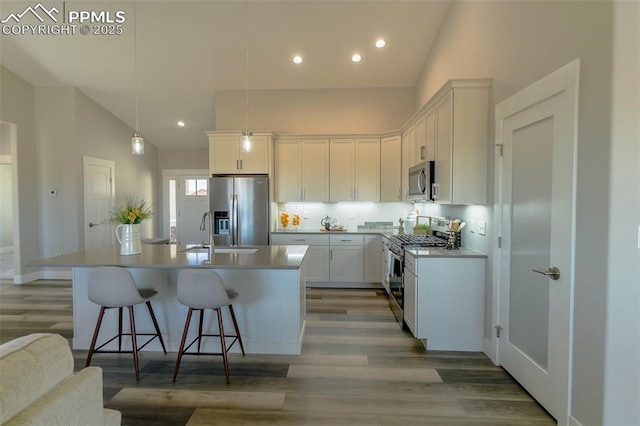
x=187, y=50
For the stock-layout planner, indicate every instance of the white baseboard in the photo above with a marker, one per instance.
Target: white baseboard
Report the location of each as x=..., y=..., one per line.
x=574, y=422
x=42, y=275
x=489, y=350
x=318, y=284
x=7, y=249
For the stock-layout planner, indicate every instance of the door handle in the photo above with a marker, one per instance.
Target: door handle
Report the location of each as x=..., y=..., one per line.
x=91, y=224
x=553, y=272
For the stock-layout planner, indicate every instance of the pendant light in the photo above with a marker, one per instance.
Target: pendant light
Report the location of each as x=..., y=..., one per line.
x=247, y=142
x=137, y=142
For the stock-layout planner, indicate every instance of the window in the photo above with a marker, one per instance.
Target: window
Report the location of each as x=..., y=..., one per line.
x=196, y=187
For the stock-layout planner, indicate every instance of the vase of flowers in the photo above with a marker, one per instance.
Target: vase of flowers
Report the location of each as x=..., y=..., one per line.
x=128, y=217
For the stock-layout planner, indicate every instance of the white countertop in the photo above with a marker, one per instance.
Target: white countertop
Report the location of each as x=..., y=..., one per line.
x=170, y=256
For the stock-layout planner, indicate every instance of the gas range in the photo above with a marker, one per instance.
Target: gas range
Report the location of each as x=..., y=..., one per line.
x=397, y=243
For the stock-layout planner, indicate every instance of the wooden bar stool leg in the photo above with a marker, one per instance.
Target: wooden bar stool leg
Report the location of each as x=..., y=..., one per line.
x=182, y=342
x=155, y=324
x=95, y=336
x=223, y=345
x=134, y=343
x=235, y=325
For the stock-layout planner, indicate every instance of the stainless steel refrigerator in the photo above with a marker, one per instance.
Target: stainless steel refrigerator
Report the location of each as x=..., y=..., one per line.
x=240, y=209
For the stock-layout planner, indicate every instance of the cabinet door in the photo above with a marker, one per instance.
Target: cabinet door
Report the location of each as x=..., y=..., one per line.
x=314, y=169
x=257, y=160
x=342, y=156
x=317, y=264
x=391, y=169
x=430, y=134
x=407, y=145
x=367, y=170
x=410, y=301
x=372, y=258
x=419, y=149
x=346, y=264
x=444, y=148
x=224, y=154
x=287, y=171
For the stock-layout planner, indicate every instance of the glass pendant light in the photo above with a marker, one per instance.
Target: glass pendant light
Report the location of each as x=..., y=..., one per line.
x=247, y=142
x=137, y=142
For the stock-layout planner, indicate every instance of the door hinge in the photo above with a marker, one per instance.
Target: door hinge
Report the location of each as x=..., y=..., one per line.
x=501, y=146
x=499, y=242
x=498, y=330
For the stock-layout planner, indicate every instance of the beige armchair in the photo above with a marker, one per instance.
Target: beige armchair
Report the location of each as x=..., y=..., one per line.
x=38, y=386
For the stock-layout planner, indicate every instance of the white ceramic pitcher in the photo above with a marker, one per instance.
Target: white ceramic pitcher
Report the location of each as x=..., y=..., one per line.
x=128, y=236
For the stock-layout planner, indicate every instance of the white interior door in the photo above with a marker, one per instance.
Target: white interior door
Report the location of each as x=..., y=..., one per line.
x=186, y=198
x=99, y=201
x=537, y=130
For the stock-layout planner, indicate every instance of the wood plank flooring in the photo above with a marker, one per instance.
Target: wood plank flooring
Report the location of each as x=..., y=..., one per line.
x=357, y=367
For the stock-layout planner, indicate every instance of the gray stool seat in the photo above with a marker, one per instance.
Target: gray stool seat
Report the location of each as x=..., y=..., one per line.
x=201, y=289
x=114, y=287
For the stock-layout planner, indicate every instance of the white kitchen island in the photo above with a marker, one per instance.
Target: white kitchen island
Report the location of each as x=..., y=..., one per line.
x=270, y=307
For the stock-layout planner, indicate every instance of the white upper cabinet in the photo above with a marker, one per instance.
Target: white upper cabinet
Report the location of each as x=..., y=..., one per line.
x=302, y=170
x=407, y=160
x=227, y=156
x=355, y=169
x=391, y=169
x=461, y=147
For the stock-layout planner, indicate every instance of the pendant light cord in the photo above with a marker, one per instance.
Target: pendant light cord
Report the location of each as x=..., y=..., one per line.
x=135, y=59
x=246, y=71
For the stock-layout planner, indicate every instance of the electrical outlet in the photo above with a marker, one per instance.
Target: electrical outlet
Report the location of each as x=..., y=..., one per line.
x=305, y=215
x=472, y=226
x=482, y=227
x=352, y=214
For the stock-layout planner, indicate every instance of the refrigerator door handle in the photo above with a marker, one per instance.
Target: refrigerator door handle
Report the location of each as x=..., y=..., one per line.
x=234, y=219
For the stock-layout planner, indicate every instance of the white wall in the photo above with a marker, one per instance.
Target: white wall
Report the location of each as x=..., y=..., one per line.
x=622, y=359
x=184, y=158
x=17, y=106
x=516, y=44
x=306, y=111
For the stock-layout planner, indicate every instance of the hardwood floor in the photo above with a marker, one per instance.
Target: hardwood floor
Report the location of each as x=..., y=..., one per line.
x=357, y=367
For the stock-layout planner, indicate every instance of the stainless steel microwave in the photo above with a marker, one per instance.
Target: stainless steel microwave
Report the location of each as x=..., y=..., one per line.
x=421, y=178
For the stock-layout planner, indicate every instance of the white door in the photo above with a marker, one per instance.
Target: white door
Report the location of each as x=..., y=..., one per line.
x=99, y=201
x=193, y=202
x=186, y=199
x=536, y=184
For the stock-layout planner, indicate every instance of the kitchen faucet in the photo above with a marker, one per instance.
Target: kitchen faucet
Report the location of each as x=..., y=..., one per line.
x=207, y=216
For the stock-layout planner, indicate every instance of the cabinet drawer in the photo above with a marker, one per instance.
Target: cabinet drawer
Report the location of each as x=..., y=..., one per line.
x=346, y=240
x=300, y=239
x=410, y=263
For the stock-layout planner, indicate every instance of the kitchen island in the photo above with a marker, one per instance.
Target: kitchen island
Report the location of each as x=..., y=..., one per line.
x=270, y=307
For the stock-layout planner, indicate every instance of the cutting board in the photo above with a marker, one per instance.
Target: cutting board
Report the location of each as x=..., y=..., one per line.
x=333, y=230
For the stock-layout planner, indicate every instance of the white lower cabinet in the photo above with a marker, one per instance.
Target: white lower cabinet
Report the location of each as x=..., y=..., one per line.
x=444, y=301
x=372, y=259
x=317, y=264
x=338, y=258
x=346, y=261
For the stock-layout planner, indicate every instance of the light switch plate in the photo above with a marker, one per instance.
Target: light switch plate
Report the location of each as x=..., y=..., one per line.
x=472, y=226
x=482, y=227
x=305, y=215
x=352, y=214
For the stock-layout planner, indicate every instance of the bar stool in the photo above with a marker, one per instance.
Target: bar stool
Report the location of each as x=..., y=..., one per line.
x=201, y=289
x=113, y=287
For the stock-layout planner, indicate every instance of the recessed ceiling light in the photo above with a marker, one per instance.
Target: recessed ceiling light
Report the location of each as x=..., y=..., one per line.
x=181, y=123
x=297, y=59
x=380, y=43
x=356, y=58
